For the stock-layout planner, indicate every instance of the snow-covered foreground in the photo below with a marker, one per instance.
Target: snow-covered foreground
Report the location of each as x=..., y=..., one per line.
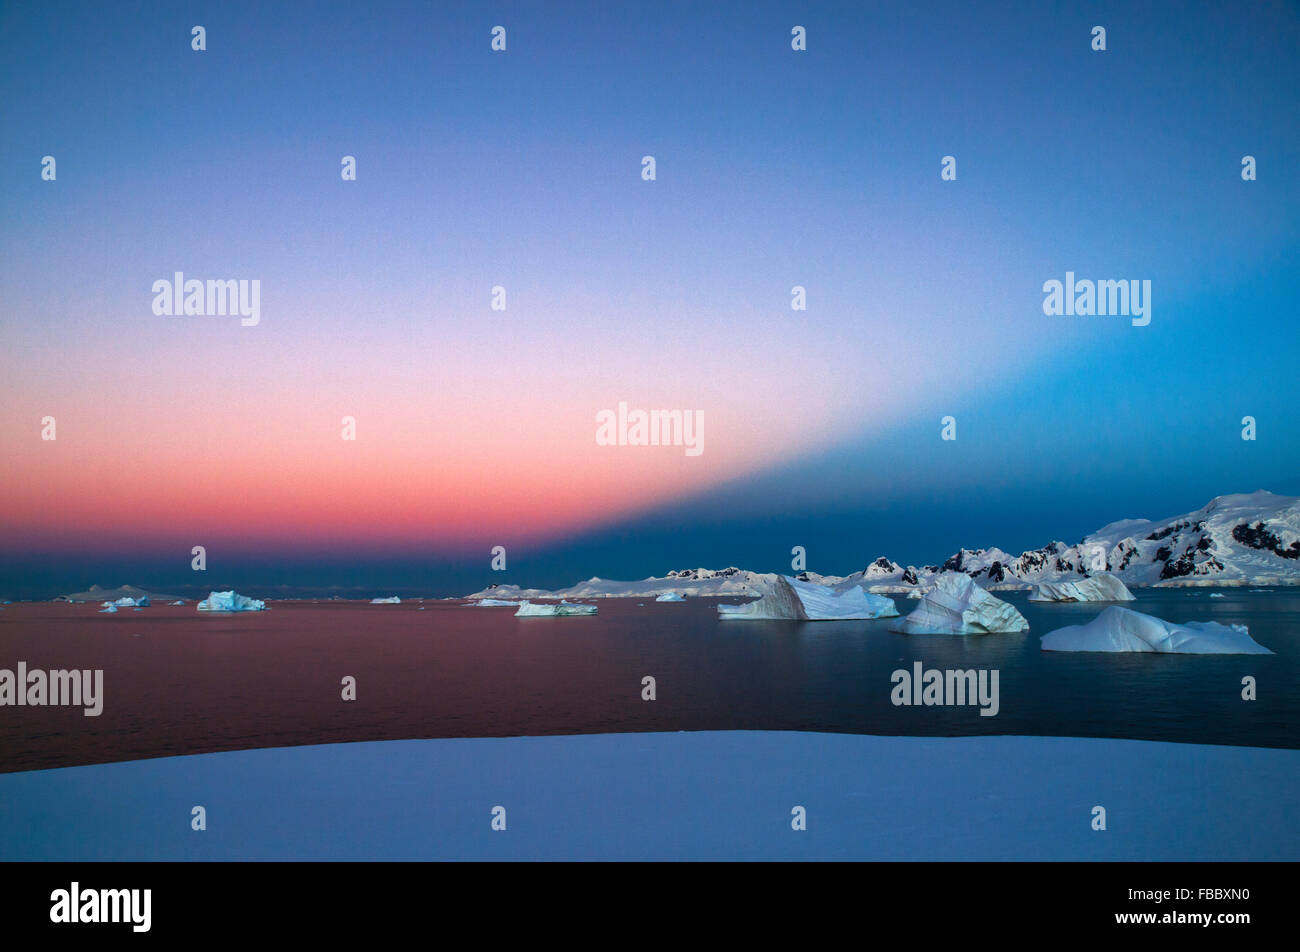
x=711, y=796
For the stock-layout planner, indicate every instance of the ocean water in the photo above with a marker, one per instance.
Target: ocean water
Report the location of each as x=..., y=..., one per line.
x=176, y=682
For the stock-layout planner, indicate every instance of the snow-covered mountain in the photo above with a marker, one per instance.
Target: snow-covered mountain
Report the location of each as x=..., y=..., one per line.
x=1241, y=539
x=696, y=582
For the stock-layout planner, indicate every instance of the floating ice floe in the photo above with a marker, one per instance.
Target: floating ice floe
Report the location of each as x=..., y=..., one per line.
x=1122, y=629
x=230, y=602
x=957, y=606
x=179, y=601
x=495, y=603
x=108, y=607
x=1217, y=595
x=529, y=610
x=786, y=598
x=1102, y=587
x=391, y=600
x=671, y=597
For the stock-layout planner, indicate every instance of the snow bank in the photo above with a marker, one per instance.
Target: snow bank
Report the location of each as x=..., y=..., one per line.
x=529, y=610
x=1122, y=629
x=1102, y=587
x=230, y=602
x=671, y=597
x=957, y=606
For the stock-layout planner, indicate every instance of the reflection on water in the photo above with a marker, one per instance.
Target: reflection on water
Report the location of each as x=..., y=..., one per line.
x=176, y=682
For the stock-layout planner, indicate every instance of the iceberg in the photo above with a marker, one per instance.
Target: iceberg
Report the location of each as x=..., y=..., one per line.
x=230, y=602
x=391, y=600
x=178, y=602
x=528, y=610
x=792, y=600
x=98, y=593
x=957, y=606
x=671, y=597
x=127, y=602
x=1217, y=595
x=778, y=602
x=1122, y=629
x=856, y=603
x=494, y=603
x=1102, y=587
x=108, y=607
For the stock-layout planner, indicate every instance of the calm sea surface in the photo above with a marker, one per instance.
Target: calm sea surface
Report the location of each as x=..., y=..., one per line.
x=176, y=682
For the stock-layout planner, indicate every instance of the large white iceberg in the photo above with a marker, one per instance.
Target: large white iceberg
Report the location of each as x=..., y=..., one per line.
x=127, y=602
x=529, y=610
x=789, y=599
x=824, y=604
x=391, y=600
x=230, y=602
x=494, y=603
x=1102, y=587
x=671, y=597
x=1122, y=629
x=957, y=606
x=778, y=601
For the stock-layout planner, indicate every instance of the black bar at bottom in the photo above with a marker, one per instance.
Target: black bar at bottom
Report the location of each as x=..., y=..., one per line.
x=334, y=900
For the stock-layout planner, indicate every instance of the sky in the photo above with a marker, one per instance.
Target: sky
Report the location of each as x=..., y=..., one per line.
x=522, y=169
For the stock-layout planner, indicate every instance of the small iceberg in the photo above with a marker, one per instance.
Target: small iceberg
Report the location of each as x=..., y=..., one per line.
x=230, y=602
x=1102, y=587
x=957, y=606
x=179, y=601
x=671, y=597
x=391, y=600
x=495, y=603
x=108, y=607
x=529, y=610
x=128, y=602
x=788, y=599
x=1122, y=629
x=1217, y=595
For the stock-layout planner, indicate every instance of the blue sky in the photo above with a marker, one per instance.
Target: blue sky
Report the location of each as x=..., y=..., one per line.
x=775, y=168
